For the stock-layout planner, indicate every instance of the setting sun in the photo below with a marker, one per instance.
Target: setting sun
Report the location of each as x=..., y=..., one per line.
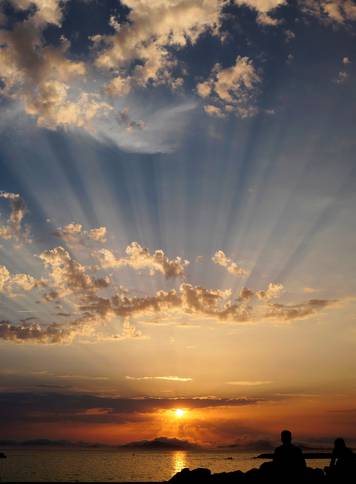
x=179, y=412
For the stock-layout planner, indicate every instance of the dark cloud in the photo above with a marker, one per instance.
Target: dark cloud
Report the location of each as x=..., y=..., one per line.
x=77, y=407
x=34, y=332
x=298, y=311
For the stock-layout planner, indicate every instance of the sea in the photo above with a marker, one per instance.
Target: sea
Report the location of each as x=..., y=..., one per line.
x=113, y=465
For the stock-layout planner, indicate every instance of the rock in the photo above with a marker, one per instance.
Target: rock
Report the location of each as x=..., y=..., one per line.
x=199, y=475
x=267, y=473
x=227, y=477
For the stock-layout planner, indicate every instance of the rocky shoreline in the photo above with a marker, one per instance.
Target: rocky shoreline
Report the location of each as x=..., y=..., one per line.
x=265, y=474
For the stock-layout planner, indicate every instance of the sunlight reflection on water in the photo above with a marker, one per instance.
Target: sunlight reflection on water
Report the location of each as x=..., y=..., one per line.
x=179, y=461
x=113, y=465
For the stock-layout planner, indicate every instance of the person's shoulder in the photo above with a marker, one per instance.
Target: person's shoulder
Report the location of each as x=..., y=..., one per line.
x=296, y=449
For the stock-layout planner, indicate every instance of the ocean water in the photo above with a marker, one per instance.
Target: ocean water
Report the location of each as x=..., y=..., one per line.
x=112, y=465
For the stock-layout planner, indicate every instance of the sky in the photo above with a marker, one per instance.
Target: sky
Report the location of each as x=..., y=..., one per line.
x=177, y=222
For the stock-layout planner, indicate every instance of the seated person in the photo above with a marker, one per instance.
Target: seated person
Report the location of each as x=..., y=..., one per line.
x=341, y=455
x=288, y=458
x=342, y=464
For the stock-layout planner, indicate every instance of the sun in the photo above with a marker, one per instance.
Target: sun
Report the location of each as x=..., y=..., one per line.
x=179, y=412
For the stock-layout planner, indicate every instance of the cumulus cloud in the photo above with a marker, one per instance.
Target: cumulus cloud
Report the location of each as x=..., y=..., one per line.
x=263, y=9
x=46, y=11
x=90, y=304
x=13, y=225
x=13, y=282
x=74, y=234
x=41, y=76
x=198, y=302
x=246, y=294
x=67, y=275
x=35, y=333
x=335, y=11
x=232, y=89
x=139, y=258
x=273, y=291
x=140, y=46
x=86, y=325
x=232, y=267
x=187, y=299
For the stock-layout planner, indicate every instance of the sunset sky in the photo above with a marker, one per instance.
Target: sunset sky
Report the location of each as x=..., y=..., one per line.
x=177, y=219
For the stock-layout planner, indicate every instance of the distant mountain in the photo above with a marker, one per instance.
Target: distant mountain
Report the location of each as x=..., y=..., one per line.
x=161, y=443
x=48, y=443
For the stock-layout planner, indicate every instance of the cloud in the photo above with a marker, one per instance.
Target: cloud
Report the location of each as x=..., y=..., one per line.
x=89, y=305
x=273, y=291
x=139, y=258
x=341, y=77
x=140, y=46
x=198, y=302
x=232, y=89
x=189, y=300
x=232, y=267
x=46, y=11
x=74, y=234
x=9, y=283
x=164, y=378
x=284, y=312
x=65, y=333
x=35, y=333
x=68, y=275
x=334, y=11
x=249, y=383
x=246, y=294
x=124, y=119
x=40, y=76
x=129, y=331
x=263, y=9
x=290, y=35
x=12, y=228
x=84, y=407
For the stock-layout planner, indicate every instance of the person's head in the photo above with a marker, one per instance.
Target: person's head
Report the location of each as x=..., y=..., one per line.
x=286, y=437
x=339, y=444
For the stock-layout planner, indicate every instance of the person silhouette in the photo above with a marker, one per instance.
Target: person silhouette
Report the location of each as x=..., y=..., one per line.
x=342, y=465
x=288, y=459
